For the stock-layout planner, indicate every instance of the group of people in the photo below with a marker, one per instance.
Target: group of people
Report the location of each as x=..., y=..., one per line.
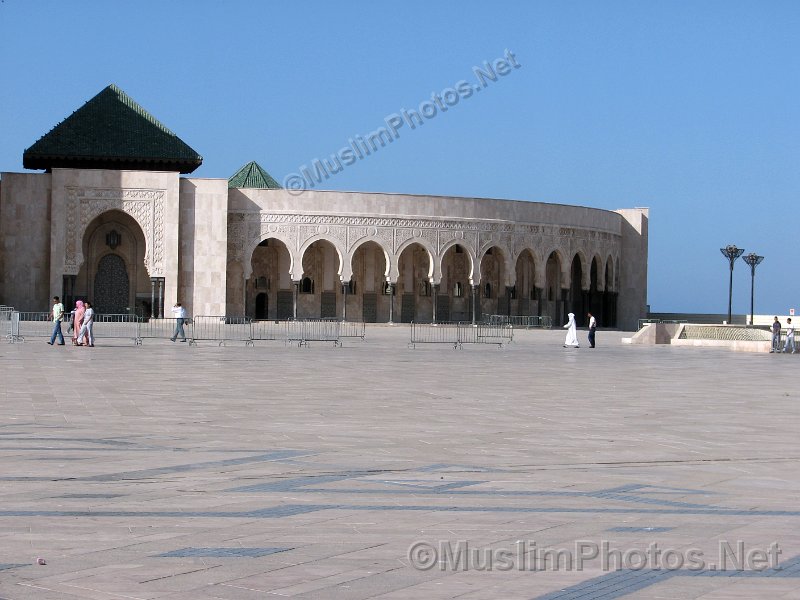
x=776, y=336
x=81, y=323
x=572, y=331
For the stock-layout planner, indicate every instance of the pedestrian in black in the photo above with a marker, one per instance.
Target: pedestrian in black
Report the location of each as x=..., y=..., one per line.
x=592, y=329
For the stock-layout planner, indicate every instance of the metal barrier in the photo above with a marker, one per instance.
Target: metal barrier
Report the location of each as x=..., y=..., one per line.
x=160, y=329
x=34, y=324
x=440, y=333
x=521, y=321
x=10, y=323
x=495, y=334
x=353, y=329
x=304, y=331
x=124, y=326
x=220, y=329
x=460, y=333
x=269, y=330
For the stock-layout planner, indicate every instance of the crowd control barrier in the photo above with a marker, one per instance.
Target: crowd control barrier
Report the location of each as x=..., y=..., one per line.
x=458, y=334
x=521, y=321
x=220, y=329
x=304, y=331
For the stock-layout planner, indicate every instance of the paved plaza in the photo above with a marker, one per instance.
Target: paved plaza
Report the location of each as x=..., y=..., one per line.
x=380, y=471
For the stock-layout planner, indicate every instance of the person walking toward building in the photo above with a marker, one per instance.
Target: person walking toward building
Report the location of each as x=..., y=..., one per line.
x=592, y=329
x=86, y=328
x=56, y=313
x=572, y=333
x=789, y=336
x=180, y=319
x=776, y=336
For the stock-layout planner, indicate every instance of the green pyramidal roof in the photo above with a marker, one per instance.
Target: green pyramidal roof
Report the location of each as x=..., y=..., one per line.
x=252, y=175
x=111, y=131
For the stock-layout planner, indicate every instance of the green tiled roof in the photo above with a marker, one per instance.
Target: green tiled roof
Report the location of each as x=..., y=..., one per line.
x=252, y=175
x=111, y=131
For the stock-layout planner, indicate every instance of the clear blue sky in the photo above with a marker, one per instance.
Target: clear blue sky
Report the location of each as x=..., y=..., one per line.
x=689, y=108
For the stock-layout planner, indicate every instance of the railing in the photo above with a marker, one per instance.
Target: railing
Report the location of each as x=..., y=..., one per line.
x=220, y=329
x=643, y=322
x=33, y=324
x=162, y=329
x=520, y=321
x=352, y=329
x=124, y=326
x=304, y=331
x=460, y=333
x=269, y=330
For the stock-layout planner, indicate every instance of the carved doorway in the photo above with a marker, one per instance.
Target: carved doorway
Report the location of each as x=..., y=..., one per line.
x=111, y=286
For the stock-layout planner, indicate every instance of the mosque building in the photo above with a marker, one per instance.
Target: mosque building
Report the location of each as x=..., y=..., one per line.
x=117, y=219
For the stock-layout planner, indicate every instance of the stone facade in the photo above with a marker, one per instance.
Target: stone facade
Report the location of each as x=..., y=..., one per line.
x=272, y=253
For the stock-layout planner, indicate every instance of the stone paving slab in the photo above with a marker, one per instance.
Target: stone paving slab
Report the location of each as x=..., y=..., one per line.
x=171, y=472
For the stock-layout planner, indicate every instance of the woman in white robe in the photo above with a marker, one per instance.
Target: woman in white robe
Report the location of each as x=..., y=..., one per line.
x=572, y=333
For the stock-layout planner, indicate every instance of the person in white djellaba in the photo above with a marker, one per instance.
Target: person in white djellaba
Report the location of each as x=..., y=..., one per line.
x=572, y=333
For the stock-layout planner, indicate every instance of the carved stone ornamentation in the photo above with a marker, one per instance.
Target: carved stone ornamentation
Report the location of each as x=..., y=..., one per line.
x=145, y=206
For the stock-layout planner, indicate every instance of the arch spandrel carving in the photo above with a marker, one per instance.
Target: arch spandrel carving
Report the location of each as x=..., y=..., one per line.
x=145, y=206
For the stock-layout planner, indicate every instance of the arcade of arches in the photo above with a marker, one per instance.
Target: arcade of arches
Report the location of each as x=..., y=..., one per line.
x=404, y=288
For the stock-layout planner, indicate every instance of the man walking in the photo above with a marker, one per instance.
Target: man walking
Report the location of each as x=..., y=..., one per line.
x=56, y=313
x=592, y=329
x=776, y=336
x=789, y=336
x=180, y=319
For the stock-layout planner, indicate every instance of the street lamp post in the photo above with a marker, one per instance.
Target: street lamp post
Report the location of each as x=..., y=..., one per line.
x=753, y=260
x=731, y=253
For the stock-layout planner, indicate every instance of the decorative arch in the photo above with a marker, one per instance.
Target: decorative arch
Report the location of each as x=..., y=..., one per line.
x=598, y=268
x=585, y=275
x=609, y=274
x=387, y=257
x=470, y=252
x=113, y=238
x=297, y=266
x=144, y=206
x=508, y=263
x=254, y=243
x=394, y=272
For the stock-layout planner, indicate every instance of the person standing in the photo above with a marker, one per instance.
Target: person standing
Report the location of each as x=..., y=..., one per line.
x=86, y=328
x=789, y=336
x=776, y=336
x=572, y=333
x=56, y=313
x=592, y=329
x=180, y=319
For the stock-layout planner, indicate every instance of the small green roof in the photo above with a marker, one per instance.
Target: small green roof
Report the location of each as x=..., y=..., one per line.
x=111, y=131
x=252, y=175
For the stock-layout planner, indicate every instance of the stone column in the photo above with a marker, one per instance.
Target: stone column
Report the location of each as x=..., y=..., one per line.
x=153, y=311
x=345, y=287
x=508, y=299
x=474, y=303
x=391, y=302
x=296, y=292
x=160, y=297
x=435, y=291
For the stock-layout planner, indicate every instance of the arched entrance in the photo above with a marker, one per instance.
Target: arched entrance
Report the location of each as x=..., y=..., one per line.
x=493, y=299
x=269, y=288
x=413, y=285
x=552, y=305
x=370, y=298
x=113, y=275
x=111, y=286
x=319, y=287
x=525, y=297
x=576, y=299
x=454, y=302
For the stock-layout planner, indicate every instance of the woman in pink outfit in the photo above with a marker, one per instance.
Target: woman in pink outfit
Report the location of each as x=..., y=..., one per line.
x=77, y=320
